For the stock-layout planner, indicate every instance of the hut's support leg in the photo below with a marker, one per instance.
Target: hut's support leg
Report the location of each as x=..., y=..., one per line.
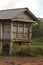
x=30, y=34
x=0, y=47
x=11, y=44
x=11, y=48
x=1, y=38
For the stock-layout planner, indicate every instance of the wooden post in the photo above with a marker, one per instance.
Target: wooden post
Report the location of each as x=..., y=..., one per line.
x=11, y=44
x=1, y=47
x=24, y=30
x=30, y=32
x=1, y=37
x=18, y=29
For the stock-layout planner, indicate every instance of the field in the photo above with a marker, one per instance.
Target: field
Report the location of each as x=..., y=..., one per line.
x=21, y=61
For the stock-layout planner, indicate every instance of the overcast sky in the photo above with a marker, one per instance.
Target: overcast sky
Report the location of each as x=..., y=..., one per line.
x=36, y=6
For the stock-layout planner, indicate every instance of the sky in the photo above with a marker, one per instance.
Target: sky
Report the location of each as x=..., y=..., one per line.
x=35, y=6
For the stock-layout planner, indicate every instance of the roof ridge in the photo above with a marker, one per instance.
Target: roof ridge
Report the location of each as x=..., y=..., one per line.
x=14, y=9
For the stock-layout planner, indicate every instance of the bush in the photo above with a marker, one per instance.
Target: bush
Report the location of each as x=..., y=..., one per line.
x=26, y=51
x=38, y=51
x=16, y=49
x=31, y=51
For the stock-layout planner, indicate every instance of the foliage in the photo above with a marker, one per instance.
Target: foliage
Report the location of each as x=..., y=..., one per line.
x=32, y=51
x=38, y=51
x=37, y=41
x=37, y=36
x=38, y=29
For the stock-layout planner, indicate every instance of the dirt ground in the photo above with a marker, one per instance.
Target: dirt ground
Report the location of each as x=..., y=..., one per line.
x=21, y=61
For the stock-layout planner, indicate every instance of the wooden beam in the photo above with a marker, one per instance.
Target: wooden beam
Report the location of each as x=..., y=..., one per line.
x=23, y=20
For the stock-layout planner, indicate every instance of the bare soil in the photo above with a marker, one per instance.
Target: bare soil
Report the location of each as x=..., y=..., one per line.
x=21, y=61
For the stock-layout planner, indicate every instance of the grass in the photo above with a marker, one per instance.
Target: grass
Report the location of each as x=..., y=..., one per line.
x=35, y=46
x=37, y=41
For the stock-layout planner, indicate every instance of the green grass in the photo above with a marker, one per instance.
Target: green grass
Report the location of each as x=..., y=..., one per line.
x=40, y=46
x=37, y=41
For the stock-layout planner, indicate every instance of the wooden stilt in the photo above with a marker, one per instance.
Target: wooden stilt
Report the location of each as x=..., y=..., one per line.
x=0, y=47
x=11, y=44
x=30, y=34
x=1, y=37
x=10, y=52
x=30, y=31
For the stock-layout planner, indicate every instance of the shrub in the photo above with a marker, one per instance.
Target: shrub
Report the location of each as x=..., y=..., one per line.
x=38, y=51
x=31, y=51
x=26, y=51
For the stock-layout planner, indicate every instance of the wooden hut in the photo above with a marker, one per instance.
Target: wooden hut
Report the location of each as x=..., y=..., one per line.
x=15, y=26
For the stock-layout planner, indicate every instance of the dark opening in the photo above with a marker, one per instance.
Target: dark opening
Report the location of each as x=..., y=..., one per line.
x=5, y=48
